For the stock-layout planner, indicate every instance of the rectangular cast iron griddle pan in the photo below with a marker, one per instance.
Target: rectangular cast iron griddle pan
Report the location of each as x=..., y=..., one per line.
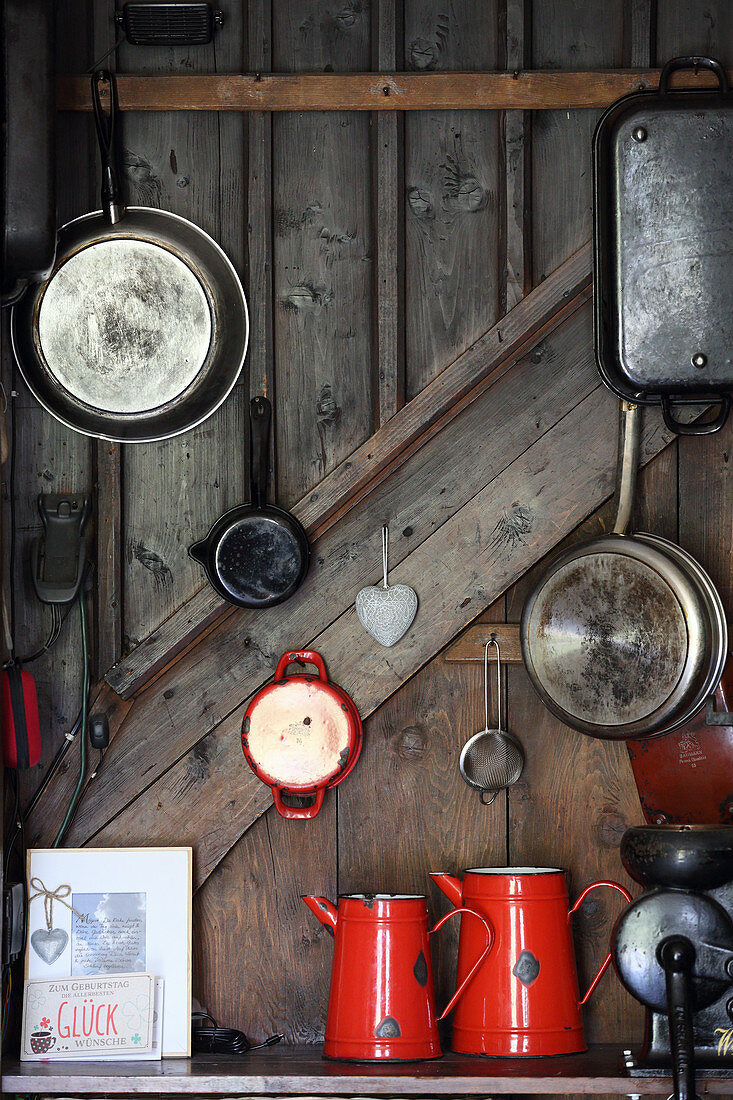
x=663, y=246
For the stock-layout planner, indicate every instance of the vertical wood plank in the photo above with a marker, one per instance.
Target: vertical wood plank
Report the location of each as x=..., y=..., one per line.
x=695, y=27
x=190, y=163
x=262, y=962
x=452, y=193
x=261, y=354
x=567, y=34
x=517, y=273
x=640, y=34
x=109, y=611
x=107, y=457
x=321, y=210
x=388, y=138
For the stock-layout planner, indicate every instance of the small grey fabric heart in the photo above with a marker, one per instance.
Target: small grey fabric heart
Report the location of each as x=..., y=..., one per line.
x=49, y=945
x=387, y=613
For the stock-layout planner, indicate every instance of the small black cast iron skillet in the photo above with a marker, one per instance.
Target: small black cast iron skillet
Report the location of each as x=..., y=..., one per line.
x=256, y=554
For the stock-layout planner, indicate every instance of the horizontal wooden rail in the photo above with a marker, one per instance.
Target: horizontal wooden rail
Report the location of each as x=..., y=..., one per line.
x=470, y=645
x=497, y=91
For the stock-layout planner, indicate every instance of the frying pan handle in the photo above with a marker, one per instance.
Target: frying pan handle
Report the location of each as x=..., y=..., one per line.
x=298, y=813
x=260, y=417
x=692, y=62
x=695, y=428
x=307, y=656
x=607, y=961
x=627, y=464
x=106, y=126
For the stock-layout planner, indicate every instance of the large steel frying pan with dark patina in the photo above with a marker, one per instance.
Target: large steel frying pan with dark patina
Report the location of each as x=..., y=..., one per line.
x=141, y=329
x=625, y=636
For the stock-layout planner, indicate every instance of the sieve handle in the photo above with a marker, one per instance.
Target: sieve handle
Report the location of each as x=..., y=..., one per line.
x=487, y=948
x=492, y=641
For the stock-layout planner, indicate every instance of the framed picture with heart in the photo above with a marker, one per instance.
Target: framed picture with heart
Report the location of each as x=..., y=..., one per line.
x=94, y=911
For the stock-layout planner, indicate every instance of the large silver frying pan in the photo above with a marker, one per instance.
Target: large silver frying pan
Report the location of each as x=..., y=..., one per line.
x=625, y=636
x=141, y=329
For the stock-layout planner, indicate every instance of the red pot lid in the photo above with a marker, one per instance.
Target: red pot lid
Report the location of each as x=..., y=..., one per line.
x=298, y=733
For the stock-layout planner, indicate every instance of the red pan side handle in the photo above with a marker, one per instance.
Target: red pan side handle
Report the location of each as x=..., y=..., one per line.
x=298, y=813
x=307, y=656
x=607, y=961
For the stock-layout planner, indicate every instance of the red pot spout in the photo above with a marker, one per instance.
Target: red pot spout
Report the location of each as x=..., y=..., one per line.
x=323, y=909
x=451, y=886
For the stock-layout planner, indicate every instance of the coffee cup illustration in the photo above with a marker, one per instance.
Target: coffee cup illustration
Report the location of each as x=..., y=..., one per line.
x=42, y=1041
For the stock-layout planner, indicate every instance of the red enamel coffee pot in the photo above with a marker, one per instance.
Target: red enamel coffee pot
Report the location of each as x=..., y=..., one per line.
x=382, y=1002
x=525, y=999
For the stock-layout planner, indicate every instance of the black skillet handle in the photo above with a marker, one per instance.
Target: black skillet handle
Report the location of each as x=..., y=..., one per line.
x=691, y=62
x=260, y=415
x=105, y=122
x=696, y=427
x=676, y=955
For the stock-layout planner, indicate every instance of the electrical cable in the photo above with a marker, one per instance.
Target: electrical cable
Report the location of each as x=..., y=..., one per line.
x=226, y=1040
x=53, y=767
x=53, y=637
x=83, y=740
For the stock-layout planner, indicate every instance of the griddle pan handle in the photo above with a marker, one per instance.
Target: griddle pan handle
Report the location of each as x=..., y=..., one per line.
x=105, y=122
x=260, y=416
x=691, y=62
x=706, y=427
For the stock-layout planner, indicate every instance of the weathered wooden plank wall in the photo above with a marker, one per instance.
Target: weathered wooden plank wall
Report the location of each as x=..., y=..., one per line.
x=485, y=207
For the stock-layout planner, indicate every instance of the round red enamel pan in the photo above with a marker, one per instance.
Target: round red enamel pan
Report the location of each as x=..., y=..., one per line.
x=301, y=734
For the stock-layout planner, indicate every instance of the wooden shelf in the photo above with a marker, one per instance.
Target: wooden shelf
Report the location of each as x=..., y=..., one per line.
x=302, y=1071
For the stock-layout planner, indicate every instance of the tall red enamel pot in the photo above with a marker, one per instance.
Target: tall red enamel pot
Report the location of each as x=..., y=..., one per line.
x=524, y=999
x=381, y=1005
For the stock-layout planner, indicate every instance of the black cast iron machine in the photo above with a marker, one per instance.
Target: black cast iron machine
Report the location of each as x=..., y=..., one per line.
x=673, y=949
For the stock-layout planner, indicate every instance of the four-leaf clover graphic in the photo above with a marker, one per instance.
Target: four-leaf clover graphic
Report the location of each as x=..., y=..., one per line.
x=45, y=1022
x=137, y=1039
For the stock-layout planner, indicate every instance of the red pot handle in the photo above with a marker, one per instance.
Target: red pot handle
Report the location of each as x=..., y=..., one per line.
x=489, y=944
x=298, y=813
x=606, y=962
x=308, y=656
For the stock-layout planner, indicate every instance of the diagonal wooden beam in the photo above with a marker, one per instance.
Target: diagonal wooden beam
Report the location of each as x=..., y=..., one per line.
x=414, y=425
x=426, y=91
x=209, y=797
x=193, y=696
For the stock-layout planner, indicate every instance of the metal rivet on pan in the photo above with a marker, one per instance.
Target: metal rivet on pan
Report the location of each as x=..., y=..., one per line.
x=699, y=360
x=638, y=133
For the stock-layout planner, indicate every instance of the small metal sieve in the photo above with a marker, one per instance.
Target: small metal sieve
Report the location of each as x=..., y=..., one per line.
x=493, y=758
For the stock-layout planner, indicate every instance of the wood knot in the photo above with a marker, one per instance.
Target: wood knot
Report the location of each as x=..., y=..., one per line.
x=420, y=203
x=327, y=408
x=411, y=743
x=610, y=828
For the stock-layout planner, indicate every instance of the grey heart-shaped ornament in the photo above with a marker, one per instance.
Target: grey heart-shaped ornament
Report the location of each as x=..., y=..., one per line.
x=386, y=612
x=49, y=945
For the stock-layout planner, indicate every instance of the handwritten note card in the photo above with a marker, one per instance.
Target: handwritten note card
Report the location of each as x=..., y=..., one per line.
x=108, y=933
